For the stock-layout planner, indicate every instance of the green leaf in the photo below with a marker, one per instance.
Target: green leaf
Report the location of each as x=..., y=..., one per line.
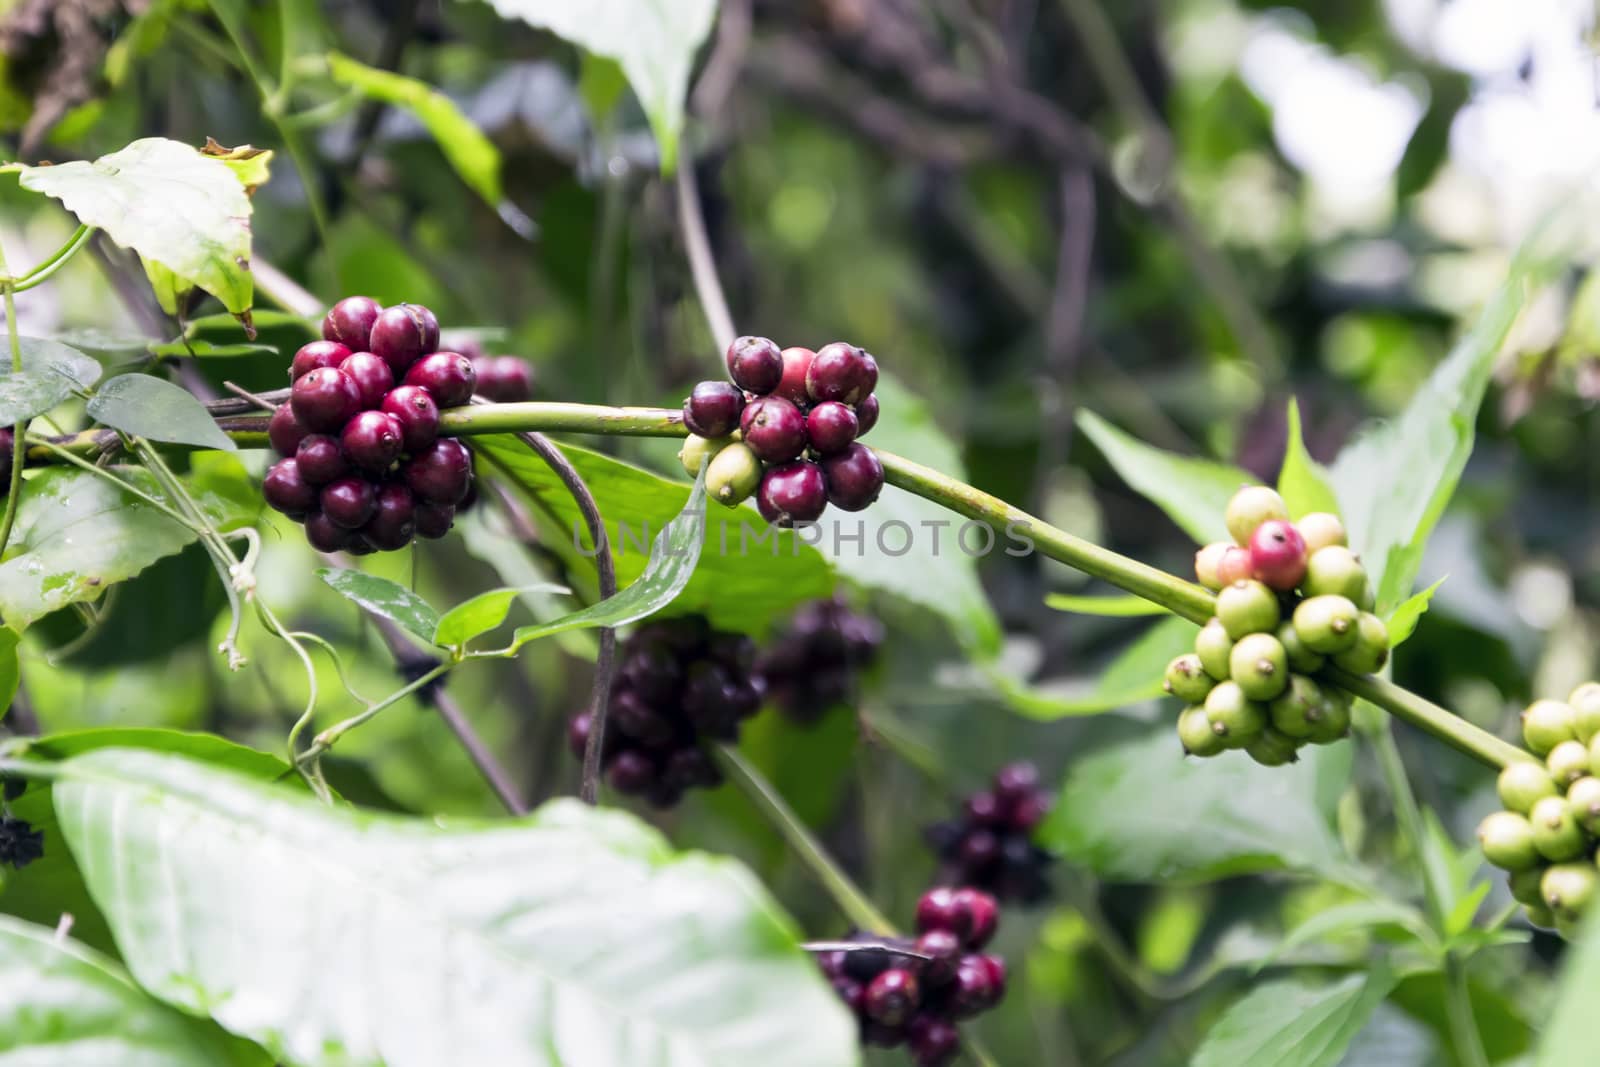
x=1110, y=607
x=170, y=290
x=484, y=538
x=1294, y=1020
x=1569, y=1033
x=1302, y=481
x=1193, y=492
x=169, y=203
x=206, y=349
x=654, y=40
x=10, y=667
x=483, y=613
x=597, y=945
x=51, y=372
x=67, y=1006
x=469, y=151
x=149, y=407
x=390, y=599
x=1403, y=620
x=1348, y=918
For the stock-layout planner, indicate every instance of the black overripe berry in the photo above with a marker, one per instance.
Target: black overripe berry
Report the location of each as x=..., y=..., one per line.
x=815, y=663
x=990, y=846
x=20, y=843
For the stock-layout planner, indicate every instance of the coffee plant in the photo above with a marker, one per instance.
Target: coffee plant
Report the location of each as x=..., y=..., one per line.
x=439, y=624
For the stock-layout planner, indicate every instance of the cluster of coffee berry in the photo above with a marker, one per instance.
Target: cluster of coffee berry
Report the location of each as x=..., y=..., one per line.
x=1291, y=598
x=786, y=428
x=990, y=845
x=20, y=843
x=678, y=684
x=917, y=1000
x=1547, y=835
x=812, y=665
x=364, y=467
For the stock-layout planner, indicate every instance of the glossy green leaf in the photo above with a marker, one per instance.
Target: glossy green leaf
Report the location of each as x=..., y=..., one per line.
x=1193, y=492
x=135, y=196
x=1109, y=607
x=572, y=936
x=1403, y=620
x=149, y=407
x=51, y=372
x=390, y=599
x=484, y=537
x=1349, y=918
x=483, y=613
x=1302, y=481
x=1295, y=1020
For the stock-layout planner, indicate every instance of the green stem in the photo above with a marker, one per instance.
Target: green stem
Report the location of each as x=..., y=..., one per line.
x=327, y=738
x=60, y=258
x=1428, y=717
x=1458, y=1005
x=19, y=438
x=555, y=418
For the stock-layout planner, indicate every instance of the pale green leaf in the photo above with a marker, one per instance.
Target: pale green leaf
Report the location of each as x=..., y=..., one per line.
x=10, y=667
x=1295, y=1021
x=1350, y=918
x=51, y=372
x=1403, y=620
x=144, y=406
x=381, y=596
x=483, y=613
x=1302, y=481
x=1193, y=492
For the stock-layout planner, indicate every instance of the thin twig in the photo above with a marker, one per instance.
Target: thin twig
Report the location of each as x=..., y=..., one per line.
x=722, y=69
x=253, y=399
x=702, y=264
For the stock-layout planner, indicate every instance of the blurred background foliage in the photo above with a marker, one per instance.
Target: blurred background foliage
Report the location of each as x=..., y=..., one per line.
x=1177, y=215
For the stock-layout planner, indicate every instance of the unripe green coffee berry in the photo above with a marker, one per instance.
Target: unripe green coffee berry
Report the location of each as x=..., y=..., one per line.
x=1261, y=668
x=1524, y=886
x=1523, y=784
x=1328, y=624
x=1583, y=797
x=1567, y=926
x=1298, y=709
x=1585, y=703
x=1371, y=650
x=1594, y=755
x=1567, y=888
x=1272, y=749
x=1556, y=833
x=1507, y=840
x=1334, y=723
x=1250, y=507
x=1567, y=762
x=1188, y=681
x=696, y=448
x=1206, y=562
x=1214, y=647
x=1321, y=529
x=1234, y=717
x=1539, y=915
x=733, y=475
x=1247, y=607
x=1335, y=571
x=1547, y=723
x=1195, y=731
x=1301, y=658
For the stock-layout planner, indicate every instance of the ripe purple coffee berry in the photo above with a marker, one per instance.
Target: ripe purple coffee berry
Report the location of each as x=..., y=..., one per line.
x=974, y=990
x=713, y=409
x=943, y=949
x=8, y=442
x=404, y=334
x=755, y=364
x=321, y=459
x=831, y=427
x=982, y=915
x=372, y=376
x=394, y=521
x=372, y=440
x=841, y=372
x=286, y=489
x=773, y=429
x=892, y=997
x=440, y=473
x=434, y=520
x=854, y=477
x=325, y=399
x=315, y=355
x=349, y=322
x=504, y=379
x=792, y=386
x=447, y=376
x=638, y=720
x=792, y=493
x=349, y=502
x=938, y=910
x=413, y=408
x=325, y=535
x=934, y=1042
x=285, y=431
x=867, y=414
x=631, y=772
x=578, y=733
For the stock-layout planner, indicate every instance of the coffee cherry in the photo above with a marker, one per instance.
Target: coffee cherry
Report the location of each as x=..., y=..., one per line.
x=1523, y=784
x=792, y=385
x=315, y=356
x=1321, y=529
x=1371, y=650
x=324, y=400
x=774, y=429
x=1195, y=733
x=1248, y=607
x=1235, y=566
x=372, y=377
x=933, y=1041
x=1250, y=507
x=447, y=376
x=349, y=322
x=286, y=489
x=393, y=523
x=1207, y=564
x=372, y=440
x=404, y=334
x=793, y=493
x=1556, y=833
x=1333, y=721
x=938, y=909
x=440, y=473
x=1524, y=886
x=831, y=427
x=321, y=459
x=1567, y=888
x=733, y=475
x=1298, y=709
x=1585, y=704
x=713, y=409
x=1301, y=658
x=1234, y=717
x=980, y=983
x=504, y=379
x=696, y=448
x=1335, y=571
x=1259, y=665
x=285, y=431
x=979, y=916
x=413, y=409
x=1327, y=624
x=841, y=372
x=1272, y=749
x=866, y=415
x=434, y=520
x=755, y=364
x=1215, y=649
x=1568, y=762
x=892, y=997
x=944, y=949
x=1547, y=723
x=631, y=772
x=854, y=478
x=349, y=502
x=1187, y=679
x=1583, y=797
x=1278, y=554
x=1507, y=840
x=1539, y=916
x=325, y=535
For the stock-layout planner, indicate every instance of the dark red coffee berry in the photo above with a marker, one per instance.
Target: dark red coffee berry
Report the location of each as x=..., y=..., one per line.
x=8, y=442
x=713, y=409
x=440, y=473
x=504, y=379
x=773, y=429
x=690, y=768
x=321, y=459
x=413, y=408
x=325, y=399
x=1278, y=554
x=980, y=915
x=943, y=949
x=792, y=493
x=934, y=1042
x=404, y=334
x=349, y=322
x=372, y=440
x=394, y=521
x=831, y=427
x=854, y=477
x=938, y=909
x=792, y=385
x=578, y=733
x=372, y=377
x=434, y=520
x=286, y=489
x=892, y=997
x=636, y=719
x=866, y=415
x=979, y=985
x=841, y=372
x=447, y=376
x=755, y=364
x=316, y=355
x=349, y=502
x=1016, y=781
x=631, y=772
x=324, y=535
x=285, y=431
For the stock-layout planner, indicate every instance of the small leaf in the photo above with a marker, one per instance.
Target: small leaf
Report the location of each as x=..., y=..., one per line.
x=390, y=599
x=10, y=667
x=1302, y=481
x=1193, y=492
x=251, y=165
x=158, y=410
x=207, y=349
x=1347, y=918
x=1295, y=1020
x=51, y=372
x=1133, y=677
x=1403, y=620
x=483, y=613
x=1110, y=607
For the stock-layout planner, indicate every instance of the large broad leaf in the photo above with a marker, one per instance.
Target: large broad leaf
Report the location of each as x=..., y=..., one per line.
x=1193, y=492
x=66, y=1006
x=149, y=407
x=51, y=372
x=654, y=41
x=168, y=202
x=384, y=597
x=572, y=937
x=1306, y=1023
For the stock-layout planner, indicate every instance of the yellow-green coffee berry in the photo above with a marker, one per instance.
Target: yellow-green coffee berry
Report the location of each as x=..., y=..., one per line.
x=1524, y=886
x=1567, y=888
x=1250, y=507
x=1188, y=681
x=1335, y=571
x=1371, y=650
x=1247, y=607
x=1583, y=797
x=1321, y=529
x=1214, y=647
x=1328, y=624
x=1547, y=723
x=1272, y=749
x=1234, y=717
x=1301, y=658
x=1206, y=562
x=733, y=475
x=1585, y=702
x=1523, y=784
x=696, y=448
x=1567, y=762
x=1507, y=840
x=1195, y=731
x=1539, y=915
x=1298, y=709
x=1556, y=833
x=1334, y=721
x=1260, y=666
